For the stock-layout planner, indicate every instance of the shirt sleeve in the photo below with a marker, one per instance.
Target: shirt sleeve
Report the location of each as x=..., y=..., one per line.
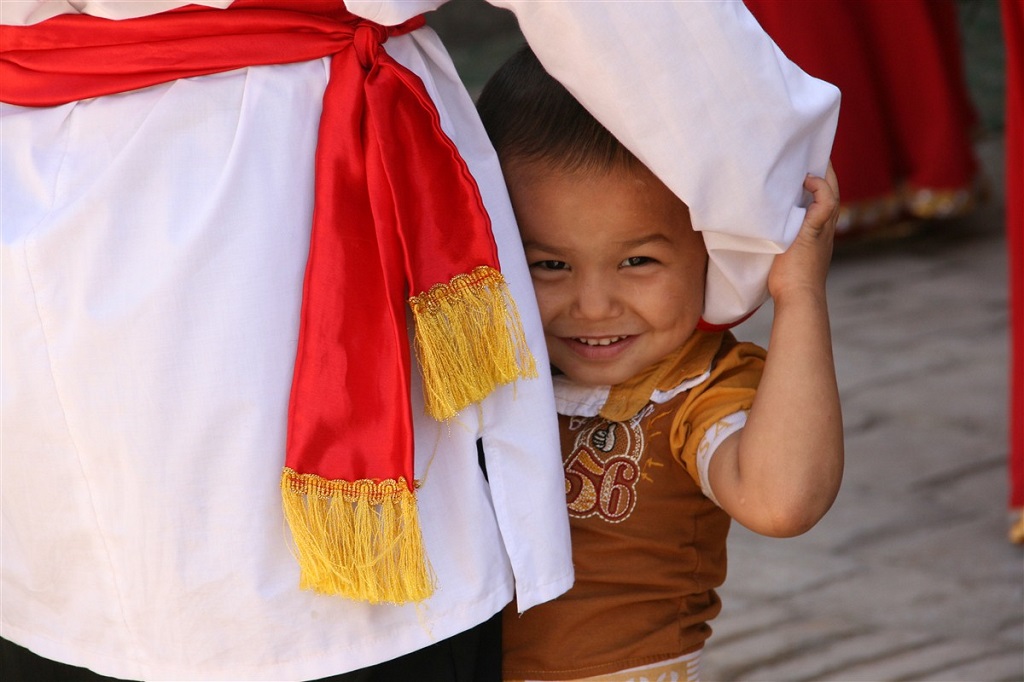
x=712, y=408
x=701, y=94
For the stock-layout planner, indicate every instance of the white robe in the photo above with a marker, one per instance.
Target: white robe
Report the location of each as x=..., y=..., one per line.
x=152, y=253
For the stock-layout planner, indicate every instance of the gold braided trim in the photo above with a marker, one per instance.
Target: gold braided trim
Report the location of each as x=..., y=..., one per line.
x=469, y=341
x=357, y=539
x=1016, y=533
x=940, y=203
x=923, y=203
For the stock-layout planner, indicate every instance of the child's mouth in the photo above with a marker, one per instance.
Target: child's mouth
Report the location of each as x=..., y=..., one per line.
x=602, y=349
x=606, y=341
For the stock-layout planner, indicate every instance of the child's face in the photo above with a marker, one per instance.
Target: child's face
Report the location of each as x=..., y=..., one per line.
x=617, y=267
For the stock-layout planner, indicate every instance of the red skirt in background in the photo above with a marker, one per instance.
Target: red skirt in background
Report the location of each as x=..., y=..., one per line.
x=904, y=144
x=1013, y=32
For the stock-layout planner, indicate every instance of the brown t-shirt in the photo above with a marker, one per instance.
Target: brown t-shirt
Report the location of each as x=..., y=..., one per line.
x=648, y=545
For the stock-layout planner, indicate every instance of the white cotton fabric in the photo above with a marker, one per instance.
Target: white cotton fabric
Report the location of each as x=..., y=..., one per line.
x=152, y=252
x=714, y=109
x=708, y=446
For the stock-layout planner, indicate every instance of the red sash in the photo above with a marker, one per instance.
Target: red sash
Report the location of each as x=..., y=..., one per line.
x=396, y=213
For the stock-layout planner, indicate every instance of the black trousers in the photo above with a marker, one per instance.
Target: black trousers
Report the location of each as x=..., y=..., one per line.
x=472, y=656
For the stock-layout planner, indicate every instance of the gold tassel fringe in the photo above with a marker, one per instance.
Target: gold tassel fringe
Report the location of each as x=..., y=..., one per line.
x=469, y=341
x=357, y=539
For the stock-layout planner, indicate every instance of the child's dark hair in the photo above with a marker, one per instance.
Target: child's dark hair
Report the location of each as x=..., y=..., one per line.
x=530, y=116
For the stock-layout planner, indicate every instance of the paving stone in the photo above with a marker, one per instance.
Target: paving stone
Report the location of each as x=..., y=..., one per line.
x=1012, y=632
x=1001, y=667
x=936, y=661
x=990, y=561
x=901, y=597
x=779, y=567
x=864, y=515
x=833, y=657
x=746, y=658
x=741, y=617
x=896, y=453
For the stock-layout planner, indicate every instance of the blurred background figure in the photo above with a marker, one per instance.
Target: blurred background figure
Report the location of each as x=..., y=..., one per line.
x=904, y=147
x=1013, y=33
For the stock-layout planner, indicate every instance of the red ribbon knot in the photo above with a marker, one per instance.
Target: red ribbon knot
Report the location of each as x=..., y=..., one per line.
x=367, y=41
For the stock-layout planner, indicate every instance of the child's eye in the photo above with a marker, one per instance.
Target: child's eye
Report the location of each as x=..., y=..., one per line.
x=550, y=265
x=634, y=261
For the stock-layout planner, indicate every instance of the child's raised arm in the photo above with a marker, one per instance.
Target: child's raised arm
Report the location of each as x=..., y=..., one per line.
x=781, y=473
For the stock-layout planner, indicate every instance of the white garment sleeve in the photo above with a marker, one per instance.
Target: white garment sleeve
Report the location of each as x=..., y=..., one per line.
x=25, y=12
x=700, y=93
x=391, y=12
x=713, y=437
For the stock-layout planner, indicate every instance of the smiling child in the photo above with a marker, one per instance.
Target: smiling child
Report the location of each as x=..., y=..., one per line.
x=668, y=431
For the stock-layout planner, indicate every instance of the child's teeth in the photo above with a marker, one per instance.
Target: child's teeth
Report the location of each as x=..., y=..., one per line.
x=600, y=342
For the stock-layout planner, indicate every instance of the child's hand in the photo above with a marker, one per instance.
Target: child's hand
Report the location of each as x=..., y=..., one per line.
x=804, y=265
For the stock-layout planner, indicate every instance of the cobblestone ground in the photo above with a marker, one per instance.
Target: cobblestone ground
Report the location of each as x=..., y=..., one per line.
x=910, y=576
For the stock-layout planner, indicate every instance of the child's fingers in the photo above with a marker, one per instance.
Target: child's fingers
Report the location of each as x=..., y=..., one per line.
x=825, y=190
x=825, y=207
x=832, y=180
